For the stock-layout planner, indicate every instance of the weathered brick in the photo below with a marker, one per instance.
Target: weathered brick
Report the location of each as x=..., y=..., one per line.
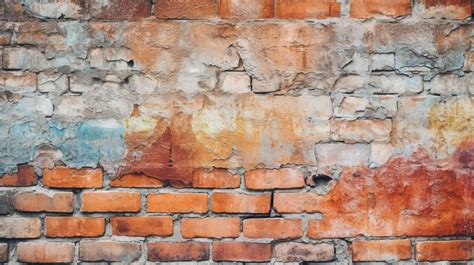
x=265, y=179
x=240, y=203
x=61, y=202
x=246, y=9
x=189, y=9
x=142, y=225
x=45, y=252
x=236, y=82
x=445, y=250
x=120, y=9
x=178, y=251
x=177, y=203
x=20, y=227
x=22, y=58
x=361, y=131
x=342, y=154
x=381, y=250
x=449, y=9
x=25, y=176
x=380, y=153
x=293, y=202
x=4, y=252
x=111, y=201
x=74, y=9
x=52, y=82
x=217, y=227
x=451, y=84
x=275, y=228
x=18, y=82
x=300, y=252
x=63, y=177
x=241, y=251
x=307, y=9
x=215, y=179
x=74, y=226
x=136, y=181
x=111, y=251
x=5, y=202
x=371, y=8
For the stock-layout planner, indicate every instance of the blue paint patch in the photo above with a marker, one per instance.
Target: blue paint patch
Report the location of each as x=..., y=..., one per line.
x=79, y=154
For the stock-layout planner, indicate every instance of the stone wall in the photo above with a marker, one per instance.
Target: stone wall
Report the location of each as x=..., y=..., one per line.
x=331, y=131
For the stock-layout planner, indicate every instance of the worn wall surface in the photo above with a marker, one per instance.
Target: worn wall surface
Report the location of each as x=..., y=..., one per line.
x=334, y=131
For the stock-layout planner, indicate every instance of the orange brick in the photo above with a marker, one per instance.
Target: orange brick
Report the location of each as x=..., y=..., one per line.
x=370, y=8
x=240, y=203
x=445, y=250
x=450, y=9
x=190, y=9
x=136, y=181
x=120, y=9
x=178, y=251
x=45, y=252
x=177, y=203
x=275, y=228
x=3, y=252
x=246, y=9
x=24, y=177
x=142, y=225
x=124, y=252
x=74, y=226
x=61, y=202
x=307, y=9
x=111, y=201
x=296, y=202
x=218, y=227
x=215, y=179
x=264, y=179
x=241, y=251
x=63, y=177
x=381, y=250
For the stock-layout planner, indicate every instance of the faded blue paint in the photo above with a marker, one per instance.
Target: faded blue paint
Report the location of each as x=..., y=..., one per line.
x=79, y=154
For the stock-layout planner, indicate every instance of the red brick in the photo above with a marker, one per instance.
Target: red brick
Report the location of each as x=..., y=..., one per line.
x=3, y=252
x=218, y=227
x=111, y=201
x=215, y=179
x=123, y=252
x=178, y=251
x=74, y=226
x=246, y=9
x=265, y=179
x=307, y=9
x=300, y=252
x=177, y=203
x=381, y=250
x=275, y=228
x=190, y=9
x=64, y=177
x=61, y=202
x=240, y=203
x=136, y=181
x=24, y=177
x=450, y=9
x=120, y=9
x=371, y=8
x=142, y=226
x=241, y=251
x=45, y=252
x=13, y=227
x=445, y=250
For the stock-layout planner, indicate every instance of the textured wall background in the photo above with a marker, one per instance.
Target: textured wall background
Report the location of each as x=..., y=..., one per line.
x=236, y=130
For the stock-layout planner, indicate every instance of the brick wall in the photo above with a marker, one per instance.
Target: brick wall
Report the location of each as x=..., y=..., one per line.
x=266, y=131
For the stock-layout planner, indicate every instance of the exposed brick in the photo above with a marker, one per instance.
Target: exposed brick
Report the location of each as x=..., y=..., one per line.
x=24, y=177
x=240, y=203
x=381, y=250
x=61, y=202
x=236, y=82
x=371, y=8
x=5, y=202
x=177, y=203
x=3, y=252
x=294, y=202
x=299, y=252
x=18, y=82
x=215, y=179
x=342, y=154
x=74, y=226
x=307, y=9
x=275, y=228
x=449, y=9
x=445, y=250
x=361, y=131
x=178, y=251
x=142, y=225
x=136, y=181
x=20, y=227
x=241, y=251
x=217, y=227
x=109, y=251
x=120, y=9
x=45, y=252
x=63, y=177
x=264, y=179
x=111, y=201
x=246, y=9
x=189, y=9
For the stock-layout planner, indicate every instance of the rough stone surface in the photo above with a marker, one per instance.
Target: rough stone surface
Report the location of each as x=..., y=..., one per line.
x=3, y=252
